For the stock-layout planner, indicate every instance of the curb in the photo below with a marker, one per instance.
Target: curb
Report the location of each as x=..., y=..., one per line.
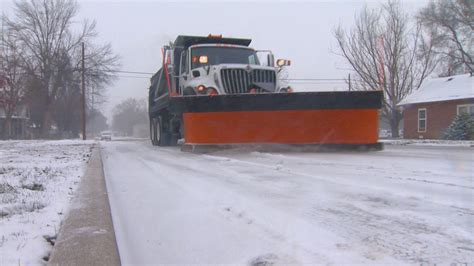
x=87, y=234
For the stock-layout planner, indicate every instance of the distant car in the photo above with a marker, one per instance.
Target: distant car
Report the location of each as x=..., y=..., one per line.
x=106, y=135
x=400, y=133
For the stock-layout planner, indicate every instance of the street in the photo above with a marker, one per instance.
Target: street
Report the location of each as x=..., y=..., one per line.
x=405, y=204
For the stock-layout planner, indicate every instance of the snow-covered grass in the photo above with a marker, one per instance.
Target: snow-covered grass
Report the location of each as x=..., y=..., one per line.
x=37, y=182
x=429, y=142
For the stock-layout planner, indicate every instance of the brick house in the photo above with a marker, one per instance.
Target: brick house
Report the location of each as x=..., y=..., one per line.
x=20, y=118
x=19, y=123
x=428, y=111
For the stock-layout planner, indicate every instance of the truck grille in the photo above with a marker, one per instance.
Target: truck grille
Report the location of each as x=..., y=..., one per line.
x=238, y=80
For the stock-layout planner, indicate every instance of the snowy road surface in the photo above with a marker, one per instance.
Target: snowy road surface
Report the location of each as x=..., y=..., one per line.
x=401, y=205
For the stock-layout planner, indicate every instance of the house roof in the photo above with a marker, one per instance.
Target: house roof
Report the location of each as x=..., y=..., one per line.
x=442, y=89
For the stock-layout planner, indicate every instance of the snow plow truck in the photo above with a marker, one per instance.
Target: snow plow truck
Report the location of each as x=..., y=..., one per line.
x=216, y=92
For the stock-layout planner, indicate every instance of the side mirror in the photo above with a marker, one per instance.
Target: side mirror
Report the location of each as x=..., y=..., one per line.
x=283, y=62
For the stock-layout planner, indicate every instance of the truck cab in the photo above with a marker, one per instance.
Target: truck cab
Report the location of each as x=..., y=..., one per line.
x=216, y=65
x=212, y=69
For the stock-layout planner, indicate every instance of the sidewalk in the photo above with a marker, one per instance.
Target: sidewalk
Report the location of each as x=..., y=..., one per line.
x=87, y=235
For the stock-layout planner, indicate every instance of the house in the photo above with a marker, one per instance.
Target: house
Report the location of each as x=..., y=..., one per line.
x=19, y=125
x=428, y=111
x=20, y=117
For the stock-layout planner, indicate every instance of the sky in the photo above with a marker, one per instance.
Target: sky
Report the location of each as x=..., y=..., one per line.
x=295, y=30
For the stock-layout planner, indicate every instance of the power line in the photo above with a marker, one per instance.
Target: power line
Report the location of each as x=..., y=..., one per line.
x=314, y=79
x=309, y=80
x=289, y=79
x=126, y=76
x=130, y=72
x=303, y=83
x=294, y=81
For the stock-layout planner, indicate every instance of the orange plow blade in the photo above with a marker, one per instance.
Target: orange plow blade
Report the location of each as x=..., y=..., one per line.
x=340, y=120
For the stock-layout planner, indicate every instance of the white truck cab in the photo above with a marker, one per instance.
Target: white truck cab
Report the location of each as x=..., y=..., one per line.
x=216, y=68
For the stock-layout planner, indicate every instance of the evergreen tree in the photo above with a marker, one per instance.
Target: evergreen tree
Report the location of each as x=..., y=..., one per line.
x=462, y=128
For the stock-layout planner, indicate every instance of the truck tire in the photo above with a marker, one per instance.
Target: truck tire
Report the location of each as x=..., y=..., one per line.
x=162, y=133
x=153, y=132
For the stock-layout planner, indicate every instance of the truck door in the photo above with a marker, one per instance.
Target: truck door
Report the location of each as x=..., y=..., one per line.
x=266, y=58
x=183, y=71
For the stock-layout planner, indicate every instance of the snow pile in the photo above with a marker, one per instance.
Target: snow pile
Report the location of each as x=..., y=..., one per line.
x=442, y=89
x=37, y=181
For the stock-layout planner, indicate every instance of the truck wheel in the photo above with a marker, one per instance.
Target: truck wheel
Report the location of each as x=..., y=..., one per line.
x=163, y=136
x=153, y=132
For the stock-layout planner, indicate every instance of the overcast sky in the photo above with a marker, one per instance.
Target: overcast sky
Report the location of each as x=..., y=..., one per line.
x=299, y=31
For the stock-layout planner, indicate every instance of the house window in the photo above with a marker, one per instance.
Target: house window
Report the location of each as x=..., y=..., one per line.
x=465, y=109
x=422, y=120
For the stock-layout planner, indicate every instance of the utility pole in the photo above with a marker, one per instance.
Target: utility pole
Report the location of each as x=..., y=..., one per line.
x=3, y=41
x=350, y=85
x=83, y=98
x=381, y=68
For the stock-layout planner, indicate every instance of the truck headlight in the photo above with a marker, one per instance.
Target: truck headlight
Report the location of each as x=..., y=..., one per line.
x=201, y=89
x=211, y=91
x=286, y=90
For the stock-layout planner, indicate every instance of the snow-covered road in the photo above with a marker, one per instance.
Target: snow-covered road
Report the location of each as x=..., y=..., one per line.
x=406, y=204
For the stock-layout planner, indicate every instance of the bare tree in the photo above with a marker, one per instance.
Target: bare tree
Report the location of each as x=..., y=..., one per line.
x=13, y=88
x=388, y=54
x=96, y=122
x=451, y=23
x=44, y=27
x=129, y=113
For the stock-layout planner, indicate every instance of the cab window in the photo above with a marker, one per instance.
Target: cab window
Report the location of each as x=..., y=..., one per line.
x=184, y=63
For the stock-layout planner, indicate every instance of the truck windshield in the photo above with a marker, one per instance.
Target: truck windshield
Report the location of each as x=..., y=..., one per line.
x=223, y=55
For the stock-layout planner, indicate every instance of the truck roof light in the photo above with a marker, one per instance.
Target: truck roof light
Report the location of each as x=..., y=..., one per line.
x=203, y=59
x=214, y=36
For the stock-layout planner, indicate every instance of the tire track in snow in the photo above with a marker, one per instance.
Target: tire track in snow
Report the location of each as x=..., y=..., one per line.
x=241, y=212
x=177, y=175
x=408, y=239
x=402, y=237
x=384, y=172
